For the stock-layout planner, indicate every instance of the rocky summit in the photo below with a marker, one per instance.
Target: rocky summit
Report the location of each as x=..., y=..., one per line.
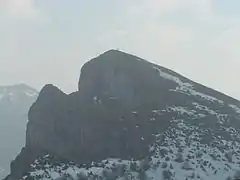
x=130, y=120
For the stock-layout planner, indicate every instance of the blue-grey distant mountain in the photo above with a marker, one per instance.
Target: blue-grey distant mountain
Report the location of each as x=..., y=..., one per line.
x=130, y=120
x=15, y=102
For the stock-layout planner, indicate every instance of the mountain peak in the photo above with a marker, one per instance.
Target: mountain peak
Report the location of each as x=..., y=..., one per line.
x=19, y=86
x=17, y=91
x=114, y=56
x=114, y=52
x=137, y=112
x=50, y=89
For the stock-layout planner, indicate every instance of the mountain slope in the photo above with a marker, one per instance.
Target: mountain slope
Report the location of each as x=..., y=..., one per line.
x=130, y=119
x=15, y=102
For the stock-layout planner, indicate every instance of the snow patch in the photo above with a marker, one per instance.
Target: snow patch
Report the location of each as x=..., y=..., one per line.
x=186, y=88
x=31, y=94
x=207, y=111
x=93, y=171
x=182, y=110
x=172, y=78
x=235, y=108
x=185, y=111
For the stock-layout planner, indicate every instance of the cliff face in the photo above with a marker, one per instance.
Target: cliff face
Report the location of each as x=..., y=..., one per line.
x=97, y=121
x=115, y=113
x=118, y=75
x=110, y=88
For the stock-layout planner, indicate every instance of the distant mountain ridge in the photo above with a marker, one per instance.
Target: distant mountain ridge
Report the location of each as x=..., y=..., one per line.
x=17, y=89
x=130, y=119
x=15, y=101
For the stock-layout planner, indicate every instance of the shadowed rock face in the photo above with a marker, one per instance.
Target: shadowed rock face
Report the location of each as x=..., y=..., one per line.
x=124, y=77
x=87, y=124
x=109, y=115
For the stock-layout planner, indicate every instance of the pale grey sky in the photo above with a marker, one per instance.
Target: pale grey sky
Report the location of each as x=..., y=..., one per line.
x=47, y=41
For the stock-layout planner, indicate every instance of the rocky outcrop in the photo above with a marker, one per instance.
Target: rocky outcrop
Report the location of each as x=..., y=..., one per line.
x=123, y=77
x=113, y=114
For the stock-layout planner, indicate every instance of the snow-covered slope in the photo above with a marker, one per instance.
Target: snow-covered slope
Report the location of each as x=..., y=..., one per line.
x=178, y=154
x=15, y=102
x=201, y=142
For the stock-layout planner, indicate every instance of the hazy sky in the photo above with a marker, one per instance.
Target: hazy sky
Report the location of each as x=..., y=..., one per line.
x=47, y=41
